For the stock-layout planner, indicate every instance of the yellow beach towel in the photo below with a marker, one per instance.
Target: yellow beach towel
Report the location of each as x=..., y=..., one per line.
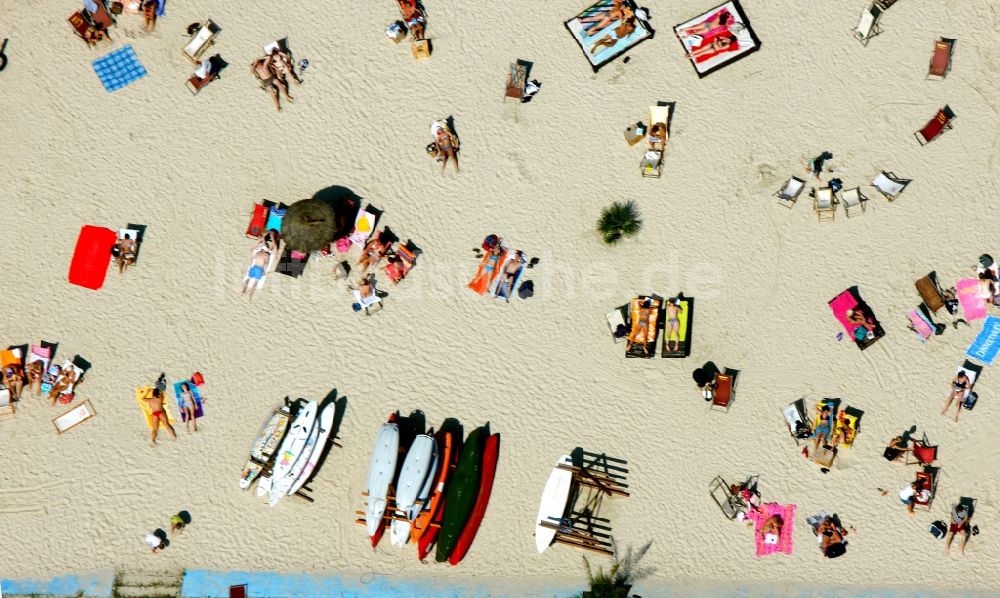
x=141, y=394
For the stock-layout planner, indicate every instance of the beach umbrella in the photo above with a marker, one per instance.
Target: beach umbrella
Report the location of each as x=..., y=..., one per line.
x=308, y=225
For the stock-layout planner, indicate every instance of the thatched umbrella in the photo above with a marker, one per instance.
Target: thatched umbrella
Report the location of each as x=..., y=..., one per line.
x=308, y=225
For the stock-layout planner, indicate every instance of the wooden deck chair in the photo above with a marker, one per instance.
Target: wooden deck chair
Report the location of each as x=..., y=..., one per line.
x=652, y=160
x=81, y=24
x=616, y=319
x=731, y=504
x=889, y=185
x=788, y=194
x=6, y=405
x=725, y=390
x=201, y=40
x=99, y=14
x=922, y=454
x=867, y=27
x=941, y=59
x=74, y=417
x=936, y=126
x=854, y=200
x=517, y=78
x=928, y=479
x=215, y=64
x=824, y=204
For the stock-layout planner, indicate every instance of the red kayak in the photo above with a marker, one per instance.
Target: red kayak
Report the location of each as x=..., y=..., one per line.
x=491, y=453
x=429, y=535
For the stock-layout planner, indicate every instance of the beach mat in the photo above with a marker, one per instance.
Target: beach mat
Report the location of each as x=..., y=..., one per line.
x=119, y=68
x=920, y=325
x=141, y=394
x=198, y=412
x=973, y=305
x=987, y=343
x=765, y=512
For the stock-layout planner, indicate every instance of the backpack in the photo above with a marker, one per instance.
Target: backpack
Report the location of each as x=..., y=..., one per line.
x=938, y=529
x=835, y=550
x=970, y=401
x=527, y=289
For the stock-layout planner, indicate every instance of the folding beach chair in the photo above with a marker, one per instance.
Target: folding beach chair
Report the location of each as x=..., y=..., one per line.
x=517, y=78
x=889, y=185
x=74, y=417
x=941, y=59
x=201, y=40
x=652, y=160
x=731, y=504
x=6, y=406
x=922, y=454
x=867, y=27
x=370, y=304
x=799, y=426
x=824, y=204
x=618, y=323
x=936, y=126
x=725, y=390
x=788, y=194
x=927, y=479
x=853, y=199
x=215, y=64
x=81, y=21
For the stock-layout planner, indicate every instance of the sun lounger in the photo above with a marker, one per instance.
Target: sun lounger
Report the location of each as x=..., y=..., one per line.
x=403, y=258
x=208, y=71
x=652, y=160
x=364, y=224
x=135, y=232
x=970, y=298
x=204, y=38
x=824, y=204
x=11, y=357
x=799, y=426
x=889, y=185
x=941, y=59
x=772, y=543
x=854, y=200
x=76, y=364
x=42, y=354
x=788, y=194
x=922, y=454
x=91, y=257
x=74, y=417
x=517, y=78
x=936, y=126
x=850, y=299
x=618, y=323
x=369, y=304
x=867, y=27
x=972, y=371
x=685, y=326
x=725, y=390
x=645, y=327
x=198, y=412
x=928, y=479
x=141, y=394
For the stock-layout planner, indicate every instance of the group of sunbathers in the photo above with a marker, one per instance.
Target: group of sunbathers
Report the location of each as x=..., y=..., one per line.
x=714, y=35
x=830, y=431
x=620, y=14
x=274, y=71
x=413, y=18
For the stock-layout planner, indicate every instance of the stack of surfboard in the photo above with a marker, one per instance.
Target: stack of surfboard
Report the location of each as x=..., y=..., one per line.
x=288, y=447
x=437, y=495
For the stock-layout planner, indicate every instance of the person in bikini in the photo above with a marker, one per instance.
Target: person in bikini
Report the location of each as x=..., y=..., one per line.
x=823, y=429
x=718, y=44
x=282, y=66
x=188, y=407
x=713, y=24
x=35, y=372
x=413, y=17
x=373, y=253
x=65, y=382
x=149, y=9
x=446, y=145
x=618, y=11
x=673, y=324
x=14, y=381
x=960, y=385
x=261, y=68
x=620, y=32
x=830, y=534
x=772, y=527
x=127, y=249
x=159, y=416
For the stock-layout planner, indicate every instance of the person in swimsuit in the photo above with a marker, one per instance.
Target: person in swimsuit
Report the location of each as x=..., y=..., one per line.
x=959, y=525
x=261, y=68
x=159, y=416
x=718, y=44
x=620, y=32
x=481, y=282
x=823, y=429
x=373, y=253
x=149, y=8
x=189, y=407
x=14, y=381
x=413, y=17
x=647, y=315
x=65, y=382
x=829, y=533
x=960, y=384
x=127, y=249
x=282, y=66
x=446, y=145
x=618, y=10
x=772, y=526
x=35, y=373
x=673, y=324
x=815, y=165
x=511, y=271
x=259, y=261
x=709, y=26
x=657, y=137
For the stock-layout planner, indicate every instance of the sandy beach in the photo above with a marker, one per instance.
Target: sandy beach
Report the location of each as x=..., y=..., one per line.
x=544, y=372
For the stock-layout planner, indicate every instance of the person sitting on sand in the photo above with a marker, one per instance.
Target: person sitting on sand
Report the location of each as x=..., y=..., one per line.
x=896, y=449
x=959, y=524
x=674, y=324
x=149, y=10
x=413, y=17
x=65, y=381
x=156, y=541
x=159, y=416
x=445, y=144
x=261, y=68
x=960, y=384
x=830, y=534
x=259, y=261
x=772, y=527
x=188, y=407
x=35, y=373
x=127, y=249
x=373, y=253
x=283, y=68
x=823, y=428
x=366, y=290
x=13, y=379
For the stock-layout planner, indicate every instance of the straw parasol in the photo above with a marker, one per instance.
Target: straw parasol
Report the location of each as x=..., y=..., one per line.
x=308, y=225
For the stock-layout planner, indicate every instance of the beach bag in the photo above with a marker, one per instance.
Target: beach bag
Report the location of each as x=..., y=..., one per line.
x=938, y=529
x=970, y=401
x=860, y=333
x=527, y=289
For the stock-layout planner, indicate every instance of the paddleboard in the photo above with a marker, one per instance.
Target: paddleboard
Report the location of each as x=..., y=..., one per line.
x=263, y=447
x=292, y=446
x=553, y=504
x=281, y=486
x=380, y=474
x=411, y=480
x=324, y=425
x=491, y=453
x=446, y=458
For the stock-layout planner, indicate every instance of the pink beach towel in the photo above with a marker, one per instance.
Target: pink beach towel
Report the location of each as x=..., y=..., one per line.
x=924, y=331
x=765, y=512
x=973, y=305
x=840, y=304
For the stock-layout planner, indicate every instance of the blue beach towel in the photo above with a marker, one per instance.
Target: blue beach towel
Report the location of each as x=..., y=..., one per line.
x=119, y=68
x=987, y=343
x=180, y=402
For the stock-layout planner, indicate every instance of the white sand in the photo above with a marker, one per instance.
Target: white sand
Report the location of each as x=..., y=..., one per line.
x=544, y=372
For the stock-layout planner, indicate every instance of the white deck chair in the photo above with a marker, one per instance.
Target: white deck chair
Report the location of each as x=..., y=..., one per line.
x=74, y=417
x=368, y=304
x=889, y=185
x=853, y=199
x=790, y=192
x=616, y=318
x=868, y=24
x=824, y=204
x=201, y=40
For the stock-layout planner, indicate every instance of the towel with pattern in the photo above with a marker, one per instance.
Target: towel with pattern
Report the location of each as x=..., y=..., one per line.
x=973, y=303
x=119, y=68
x=770, y=543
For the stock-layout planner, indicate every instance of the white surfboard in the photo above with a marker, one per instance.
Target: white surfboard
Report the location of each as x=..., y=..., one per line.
x=425, y=492
x=281, y=486
x=293, y=445
x=324, y=424
x=553, y=504
x=380, y=475
x=411, y=480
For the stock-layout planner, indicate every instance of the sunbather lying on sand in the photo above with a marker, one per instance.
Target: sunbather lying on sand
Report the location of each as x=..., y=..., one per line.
x=445, y=144
x=830, y=534
x=772, y=526
x=620, y=32
x=618, y=11
x=127, y=249
x=823, y=429
x=259, y=261
x=647, y=315
x=673, y=324
x=159, y=416
x=261, y=68
x=188, y=407
x=65, y=381
x=510, y=272
x=708, y=26
x=721, y=43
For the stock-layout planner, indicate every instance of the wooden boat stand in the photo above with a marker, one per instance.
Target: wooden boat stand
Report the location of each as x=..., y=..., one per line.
x=596, y=477
x=305, y=491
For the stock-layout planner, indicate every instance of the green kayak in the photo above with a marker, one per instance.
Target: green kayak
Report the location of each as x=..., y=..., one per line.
x=461, y=495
